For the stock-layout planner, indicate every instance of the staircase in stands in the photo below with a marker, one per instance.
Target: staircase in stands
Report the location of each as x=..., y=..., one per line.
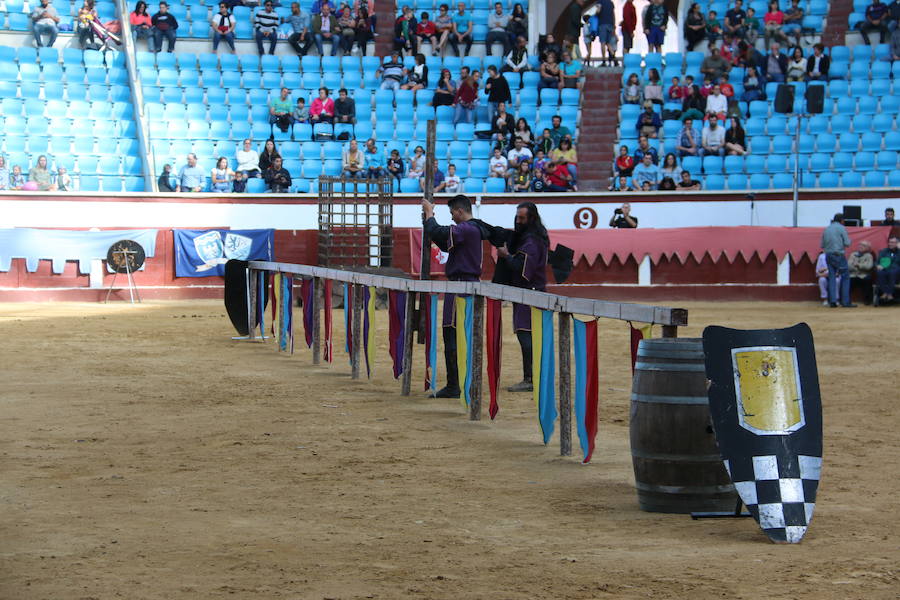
x=599, y=120
x=835, y=30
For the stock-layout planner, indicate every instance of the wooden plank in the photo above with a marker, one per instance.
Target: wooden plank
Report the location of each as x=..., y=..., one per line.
x=624, y=311
x=317, y=304
x=477, y=359
x=430, y=137
x=356, y=324
x=408, y=325
x=565, y=384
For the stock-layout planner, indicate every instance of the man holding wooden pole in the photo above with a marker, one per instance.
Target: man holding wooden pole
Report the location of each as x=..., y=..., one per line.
x=462, y=242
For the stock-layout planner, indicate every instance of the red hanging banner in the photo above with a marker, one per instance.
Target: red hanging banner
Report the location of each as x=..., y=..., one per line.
x=494, y=343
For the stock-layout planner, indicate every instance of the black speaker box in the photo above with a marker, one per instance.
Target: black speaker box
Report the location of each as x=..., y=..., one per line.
x=784, y=98
x=815, y=99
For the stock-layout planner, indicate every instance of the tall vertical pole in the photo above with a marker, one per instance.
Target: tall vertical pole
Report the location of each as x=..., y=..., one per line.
x=408, y=324
x=251, y=303
x=565, y=385
x=425, y=257
x=316, y=305
x=477, y=351
x=356, y=324
x=797, y=170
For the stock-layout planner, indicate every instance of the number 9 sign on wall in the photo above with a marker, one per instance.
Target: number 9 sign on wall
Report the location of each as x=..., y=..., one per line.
x=585, y=218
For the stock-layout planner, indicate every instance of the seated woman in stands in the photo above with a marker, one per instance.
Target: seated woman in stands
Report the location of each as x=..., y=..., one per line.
x=347, y=24
x=464, y=101
x=797, y=66
x=549, y=73
x=631, y=93
x=753, y=86
x=568, y=156
x=653, y=90
x=417, y=164
x=694, y=106
x=322, y=108
x=502, y=126
x=268, y=156
x=521, y=178
x=221, y=176
x=445, y=91
x=735, y=139
x=624, y=164
x=247, y=160
x=363, y=29
x=443, y=25
x=523, y=132
x=417, y=77
x=86, y=15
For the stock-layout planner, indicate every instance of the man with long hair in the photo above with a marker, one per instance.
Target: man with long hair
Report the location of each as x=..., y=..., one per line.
x=522, y=262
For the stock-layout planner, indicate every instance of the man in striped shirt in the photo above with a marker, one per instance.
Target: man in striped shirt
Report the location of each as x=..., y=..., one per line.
x=266, y=24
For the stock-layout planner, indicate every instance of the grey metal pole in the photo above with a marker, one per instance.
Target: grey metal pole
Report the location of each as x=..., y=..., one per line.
x=796, y=197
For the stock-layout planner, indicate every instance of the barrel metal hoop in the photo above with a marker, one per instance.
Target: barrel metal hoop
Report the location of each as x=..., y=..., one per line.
x=671, y=353
x=684, y=489
x=680, y=458
x=689, y=367
x=656, y=399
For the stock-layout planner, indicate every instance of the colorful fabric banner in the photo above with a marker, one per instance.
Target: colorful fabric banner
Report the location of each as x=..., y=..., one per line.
x=307, y=293
x=638, y=334
x=430, y=302
x=494, y=347
x=544, y=369
x=369, y=328
x=465, y=316
x=348, y=316
x=326, y=296
x=285, y=336
x=587, y=394
x=204, y=252
x=396, y=328
x=275, y=282
x=270, y=280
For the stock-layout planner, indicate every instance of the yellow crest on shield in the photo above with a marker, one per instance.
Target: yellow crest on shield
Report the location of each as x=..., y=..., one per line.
x=767, y=387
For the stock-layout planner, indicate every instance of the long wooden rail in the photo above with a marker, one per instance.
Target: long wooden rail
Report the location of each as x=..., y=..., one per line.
x=669, y=318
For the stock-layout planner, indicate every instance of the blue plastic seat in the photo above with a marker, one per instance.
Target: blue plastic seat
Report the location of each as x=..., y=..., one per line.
x=714, y=182
x=737, y=181
x=887, y=160
x=874, y=179
x=894, y=178
x=864, y=161
x=871, y=141
x=781, y=181
x=782, y=144
x=882, y=123
x=777, y=163
x=828, y=179
x=892, y=140
x=820, y=162
x=851, y=179
x=842, y=161
x=88, y=183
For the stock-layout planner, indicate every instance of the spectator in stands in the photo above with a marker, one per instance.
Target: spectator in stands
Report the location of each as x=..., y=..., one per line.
x=546, y=46
x=395, y=165
x=191, y=178
x=40, y=175
x=776, y=65
x=558, y=131
x=344, y=108
x=318, y=5
x=63, y=181
x=238, y=183
x=557, y=178
x=497, y=22
x=301, y=39
x=606, y=32
x=354, y=162
x=392, y=72
x=707, y=87
x=517, y=26
x=363, y=29
x=322, y=108
x=516, y=60
x=545, y=143
x=716, y=104
x=325, y=29
x=653, y=91
x=694, y=106
x=796, y=70
x=223, y=25
x=300, y=114
x=347, y=26
x=694, y=27
x=266, y=25
x=444, y=27
x=452, y=183
x=670, y=167
x=220, y=177
x=550, y=73
x=887, y=269
x=753, y=89
x=498, y=164
x=735, y=139
x=648, y=122
x=686, y=184
x=405, y=31
x=502, y=126
x=268, y=156
x=726, y=88
x=736, y=20
x=445, y=91
x=793, y=18
x=713, y=27
x=773, y=22
x=645, y=148
x=44, y=20
x=374, y=160
x=164, y=27
x=16, y=179
x=713, y=139
x=416, y=163
x=573, y=19
x=689, y=140
x=523, y=131
x=497, y=89
x=889, y=220
x=438, y=181
x=164, y=182
x=621, y=184
x=142, y=26
x=628, y=25
x=667, y=184
x=752, y=27
x=540, y=163
x=646, y=172
x=426, y=31
x=247, y=160
x=656, y=16
x=280, y=109
x=861, y=265
x=417, y=78
x=835, y=241
x=632, y=91
x=678, y=92
x=624, y=164
x=518, y=153
x=520, y=180
x=714, y=65
x=894, y=15
x=876, y=20
x=817, y=64
x=568, y=156
x=277, y=178
x=464, y=101
x=895, y=44
x=462, y=30
x=570, y=73
x=87, y=14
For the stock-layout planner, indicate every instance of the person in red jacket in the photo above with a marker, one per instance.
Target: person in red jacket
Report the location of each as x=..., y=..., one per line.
x=322, y=108
x=629, y=22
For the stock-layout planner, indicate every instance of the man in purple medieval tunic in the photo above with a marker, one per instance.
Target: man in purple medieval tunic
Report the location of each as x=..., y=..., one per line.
x=462, y=241
x=522, y=262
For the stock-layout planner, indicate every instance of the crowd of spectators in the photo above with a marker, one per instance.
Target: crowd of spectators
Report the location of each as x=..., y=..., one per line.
x=39, y=178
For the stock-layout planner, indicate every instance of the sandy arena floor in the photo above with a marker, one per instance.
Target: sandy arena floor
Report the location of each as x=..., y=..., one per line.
x=147, y=455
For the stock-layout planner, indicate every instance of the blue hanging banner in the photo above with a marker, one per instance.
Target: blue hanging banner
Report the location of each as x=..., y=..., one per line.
x=204, y=252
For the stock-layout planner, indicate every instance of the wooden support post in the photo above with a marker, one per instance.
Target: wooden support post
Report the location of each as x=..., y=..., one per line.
x=317, y=305
x=251, y=303
x=565, y=384
x=670, y=331
x=408, y=325
x=425, y=258
x=477, y=351
x=356, y=354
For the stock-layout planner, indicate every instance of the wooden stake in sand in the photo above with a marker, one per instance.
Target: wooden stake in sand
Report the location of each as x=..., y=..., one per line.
x=565, y=385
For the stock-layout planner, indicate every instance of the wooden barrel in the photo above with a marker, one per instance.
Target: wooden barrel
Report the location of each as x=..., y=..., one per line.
x=677, y=465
